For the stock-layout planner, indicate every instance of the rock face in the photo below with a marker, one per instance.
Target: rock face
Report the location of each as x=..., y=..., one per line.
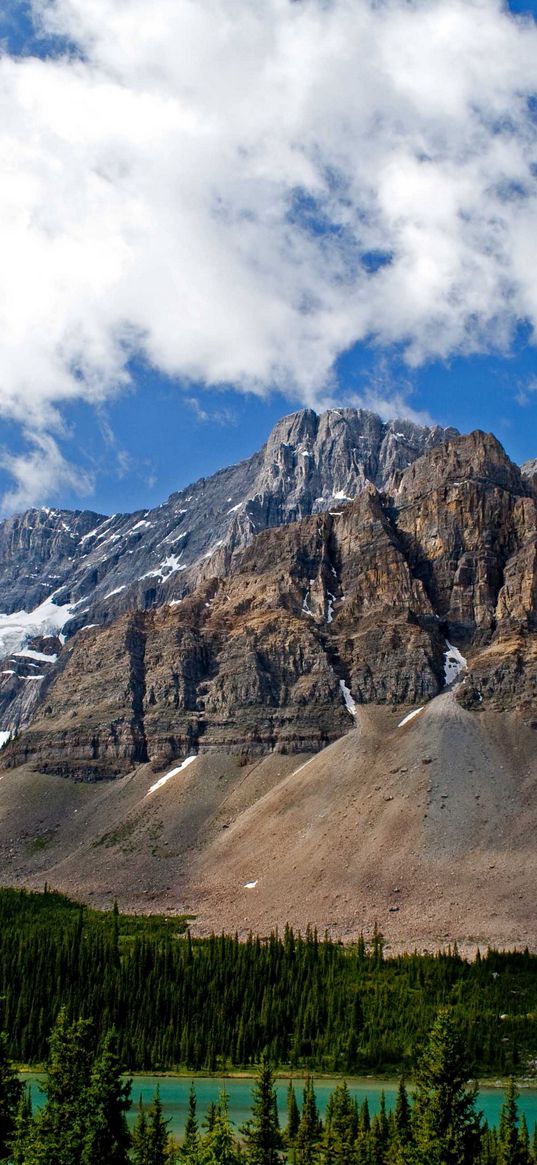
x=101, y=566
x=357, y=604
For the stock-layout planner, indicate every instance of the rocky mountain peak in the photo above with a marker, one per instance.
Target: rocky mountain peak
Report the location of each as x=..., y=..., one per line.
x=101, y=566
x=358, y=602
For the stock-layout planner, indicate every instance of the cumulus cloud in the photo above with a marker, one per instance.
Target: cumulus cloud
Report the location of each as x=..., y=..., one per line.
x=238, y=191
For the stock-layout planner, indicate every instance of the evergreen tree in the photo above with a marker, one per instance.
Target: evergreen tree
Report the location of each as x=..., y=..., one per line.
x=307, y=1138
x=11, y=1092
x=446, y=1126
x=524, y=1139
x=262, y=1136
x=293, y=1115
x=57, y=1133
x=157, y=1133
x=140, y=1140
x=380, y=1133
x=399, y=1148
x=23, y=1120
x=402, y=1110
x=512, y=1148
x=218, y=1145
x=191, y=1141
x=340, y=1128
x=107, y=1139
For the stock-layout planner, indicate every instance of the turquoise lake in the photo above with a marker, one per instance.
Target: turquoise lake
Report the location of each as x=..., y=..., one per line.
x=174, y=1095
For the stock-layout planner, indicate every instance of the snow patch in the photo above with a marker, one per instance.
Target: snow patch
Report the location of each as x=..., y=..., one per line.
x=454, y=665
x=349, y=702
x=173, y=773
x=250, y=885
x=116, y=592
x=410, y=716
x=39, y=655
x=342, y=497
x=140, y=525
x=170, y=565
x=330, y=610
x=234, y=509
x=306, y=607
x=4, y=737
x=21, y=626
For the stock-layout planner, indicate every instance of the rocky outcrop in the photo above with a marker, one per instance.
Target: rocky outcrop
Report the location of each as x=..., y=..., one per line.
x=463, y=514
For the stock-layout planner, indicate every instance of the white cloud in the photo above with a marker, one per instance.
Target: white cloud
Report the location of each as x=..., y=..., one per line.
x=208, y=185
x=40, y=472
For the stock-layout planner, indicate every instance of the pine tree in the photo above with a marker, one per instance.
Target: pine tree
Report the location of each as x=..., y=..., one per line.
x=107, y=1139
x=446, y=1126
x=262, y=1136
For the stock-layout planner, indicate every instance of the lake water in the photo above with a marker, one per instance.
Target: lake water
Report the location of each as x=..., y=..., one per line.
x=174, y=1092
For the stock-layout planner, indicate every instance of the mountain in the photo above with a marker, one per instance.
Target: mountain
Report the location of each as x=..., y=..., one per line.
x=99, y=566
x=61, y=571
x=334, y=723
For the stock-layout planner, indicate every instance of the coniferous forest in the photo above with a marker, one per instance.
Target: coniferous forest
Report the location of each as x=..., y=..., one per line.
x=211, y=1004
x=83, y=1120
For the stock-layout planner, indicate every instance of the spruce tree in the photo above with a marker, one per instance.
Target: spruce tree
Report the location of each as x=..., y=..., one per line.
x=218, y=1146
x=57, y=1132
x=107, y=1139
x=446, y=1126
x=512, y=1148
x=262, y=1136
x=307, y=1138
x=157, y=1133
x=11, y=1092
x=293, y=1115
x=191, y=1142
x=341, y=1126
x=140, y=1141
x=23, y=1120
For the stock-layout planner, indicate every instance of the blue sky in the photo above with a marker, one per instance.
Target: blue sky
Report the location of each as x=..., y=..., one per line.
x=165, y=308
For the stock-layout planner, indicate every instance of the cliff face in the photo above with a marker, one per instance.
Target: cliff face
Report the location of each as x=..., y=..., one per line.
x=358, y=604
x=97, y=567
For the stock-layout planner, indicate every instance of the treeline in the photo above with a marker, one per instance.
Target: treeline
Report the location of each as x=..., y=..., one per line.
x=216, y=1003
x=83, y=1120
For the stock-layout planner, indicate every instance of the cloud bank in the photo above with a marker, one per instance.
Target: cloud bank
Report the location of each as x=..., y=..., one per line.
x=238, y=191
